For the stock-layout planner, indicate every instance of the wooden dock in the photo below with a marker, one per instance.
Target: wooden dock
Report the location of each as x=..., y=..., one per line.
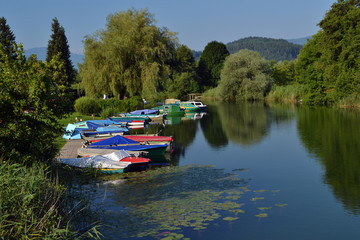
x=70, y=149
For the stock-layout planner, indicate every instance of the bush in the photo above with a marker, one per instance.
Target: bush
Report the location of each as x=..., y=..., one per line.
x=119, y=106
x=109, y=112
x=87, y=106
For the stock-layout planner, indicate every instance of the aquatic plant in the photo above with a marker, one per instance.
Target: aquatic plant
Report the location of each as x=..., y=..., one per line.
x=170, y=199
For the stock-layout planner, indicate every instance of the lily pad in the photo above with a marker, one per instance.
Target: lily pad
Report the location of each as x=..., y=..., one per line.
x=264, y=208
x=230, y=218
x=281, y=204
x=262, y=215
x=256, y=198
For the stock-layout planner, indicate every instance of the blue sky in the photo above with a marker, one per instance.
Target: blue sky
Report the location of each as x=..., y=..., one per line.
x=197, y=22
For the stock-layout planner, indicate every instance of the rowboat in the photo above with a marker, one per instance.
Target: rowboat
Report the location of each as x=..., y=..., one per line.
x=122, y=143
x=151, y=140
x=116, y=162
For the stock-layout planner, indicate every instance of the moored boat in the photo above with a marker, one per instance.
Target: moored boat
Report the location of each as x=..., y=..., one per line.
x=152, y=140
x=110, y=163
x=119, y=142
x=192, y=106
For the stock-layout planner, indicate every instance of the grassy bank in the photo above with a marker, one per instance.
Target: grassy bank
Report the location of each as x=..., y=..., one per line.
x=31, y=204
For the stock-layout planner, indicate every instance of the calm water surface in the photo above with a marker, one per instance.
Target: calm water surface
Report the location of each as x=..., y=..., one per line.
x=243, y=172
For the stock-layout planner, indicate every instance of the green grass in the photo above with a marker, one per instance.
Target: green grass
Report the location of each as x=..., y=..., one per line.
x=70, y=118
x=31, y=204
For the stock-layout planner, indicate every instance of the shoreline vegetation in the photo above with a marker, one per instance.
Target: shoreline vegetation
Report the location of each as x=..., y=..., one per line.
x=132, y=60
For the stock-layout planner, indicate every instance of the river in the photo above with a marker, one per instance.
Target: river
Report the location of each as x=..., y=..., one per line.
x=246, y=171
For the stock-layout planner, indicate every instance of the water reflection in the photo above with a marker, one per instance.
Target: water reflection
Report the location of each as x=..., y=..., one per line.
x=212, y=128
x=246, y=124
x=332, y=135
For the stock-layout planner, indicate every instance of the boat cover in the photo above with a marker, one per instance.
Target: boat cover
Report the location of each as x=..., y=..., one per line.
x=135, y=147
x=116, y=140
x=111, y=160
x=145, y=112
x=71, y=132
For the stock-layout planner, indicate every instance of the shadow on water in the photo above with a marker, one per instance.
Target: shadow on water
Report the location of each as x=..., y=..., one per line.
x=332, y=136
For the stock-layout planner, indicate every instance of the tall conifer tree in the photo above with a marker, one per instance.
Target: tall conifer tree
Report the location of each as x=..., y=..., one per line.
x=7, y=38
x=59, y=44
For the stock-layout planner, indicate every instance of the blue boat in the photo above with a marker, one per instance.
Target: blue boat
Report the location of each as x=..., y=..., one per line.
x=93, y=127
x=122, y=143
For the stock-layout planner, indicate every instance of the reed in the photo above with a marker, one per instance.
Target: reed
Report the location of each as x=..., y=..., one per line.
x=288, y=93
x=31, y=205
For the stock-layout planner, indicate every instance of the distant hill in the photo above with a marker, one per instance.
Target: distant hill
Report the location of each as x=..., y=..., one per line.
x=41, y=55
x=300, y=41
x=269, y=48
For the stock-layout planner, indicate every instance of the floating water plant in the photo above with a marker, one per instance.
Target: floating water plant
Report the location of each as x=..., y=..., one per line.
x=264, y=208
x=256, y=198
x=170, y=199
x=230, y=218
x=262, y=215
x=281, y=205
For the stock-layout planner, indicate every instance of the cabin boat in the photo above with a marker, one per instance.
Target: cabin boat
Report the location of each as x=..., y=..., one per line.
x=192, y=106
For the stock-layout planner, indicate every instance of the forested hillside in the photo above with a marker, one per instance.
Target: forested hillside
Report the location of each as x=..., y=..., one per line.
x=269, y=48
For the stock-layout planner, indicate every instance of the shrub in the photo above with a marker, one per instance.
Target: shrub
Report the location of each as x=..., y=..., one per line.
x=109, y=112
x=87, y=106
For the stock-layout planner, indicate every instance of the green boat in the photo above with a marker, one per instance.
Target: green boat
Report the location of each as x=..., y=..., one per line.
x=171, y=110
x=192, y=106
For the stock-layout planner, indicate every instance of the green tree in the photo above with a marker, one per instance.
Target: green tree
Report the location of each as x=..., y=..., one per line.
x=58, y=45
x=184, y=79
x=283, y=72
x=330, y=62
x=29, y=105
x=7, y=38
x=185, y=61
x=211, y=62
x=130, y=57
x=245, y=76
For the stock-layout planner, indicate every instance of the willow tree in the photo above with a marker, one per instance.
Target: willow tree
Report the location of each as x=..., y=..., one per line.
x=245, y=76
x=130, y=57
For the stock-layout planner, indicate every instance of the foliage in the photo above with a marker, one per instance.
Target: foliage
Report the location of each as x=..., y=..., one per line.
x=184, y=60
x=31, y=205
x=183, y=84
x=58, y=46
x=287, y=93
x=329, y=63
x=131, y=57
x=125, y=105
x=7, y=38
x=30, y=102
x=245, y=76
x=283, y=73
x=184, y=79
x=270, y=49
x=87, y=105
x=211, y=62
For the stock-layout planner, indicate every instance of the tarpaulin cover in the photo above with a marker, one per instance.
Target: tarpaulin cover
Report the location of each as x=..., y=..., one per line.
x=116, y=140
x=71, y=132
x=145, y=112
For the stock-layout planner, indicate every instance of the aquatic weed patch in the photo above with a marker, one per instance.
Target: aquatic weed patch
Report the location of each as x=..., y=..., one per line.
x=172, y=199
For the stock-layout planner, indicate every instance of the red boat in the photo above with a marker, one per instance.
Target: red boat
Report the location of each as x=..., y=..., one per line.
x=136, y=162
